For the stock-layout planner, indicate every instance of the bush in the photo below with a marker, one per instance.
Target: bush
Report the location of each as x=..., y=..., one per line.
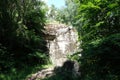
x=101, y=60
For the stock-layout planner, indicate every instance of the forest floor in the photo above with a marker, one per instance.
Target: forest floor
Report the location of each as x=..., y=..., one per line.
x=47, y=72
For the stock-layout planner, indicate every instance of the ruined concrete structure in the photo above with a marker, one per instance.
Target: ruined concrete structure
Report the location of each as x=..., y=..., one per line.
x=62, y=41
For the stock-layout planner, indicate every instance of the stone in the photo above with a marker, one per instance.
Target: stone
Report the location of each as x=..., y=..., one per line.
x=42, y=74
x=73, y=67
x=62, y=41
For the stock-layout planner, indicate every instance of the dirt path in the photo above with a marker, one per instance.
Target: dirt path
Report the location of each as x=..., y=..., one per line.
x=42, y=74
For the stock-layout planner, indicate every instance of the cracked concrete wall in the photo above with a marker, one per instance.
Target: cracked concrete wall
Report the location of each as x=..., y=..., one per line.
x=63, y=42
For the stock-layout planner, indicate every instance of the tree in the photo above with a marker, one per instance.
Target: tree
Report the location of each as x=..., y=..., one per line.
x=99, y=30
x=21, y=36
x=67, y=14
x=52, y=13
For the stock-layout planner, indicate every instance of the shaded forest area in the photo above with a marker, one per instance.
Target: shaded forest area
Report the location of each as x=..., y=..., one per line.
x=23, y=47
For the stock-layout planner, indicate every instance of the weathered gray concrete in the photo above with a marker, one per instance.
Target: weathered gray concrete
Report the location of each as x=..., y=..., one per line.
x=62, y=41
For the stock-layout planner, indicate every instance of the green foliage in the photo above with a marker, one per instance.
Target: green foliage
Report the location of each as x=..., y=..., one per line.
x=101, y=59
x=74, y=57
x=67, y=14
x=52, y=14
x=22, y=74
x=99, y=30
x=21, y=38
x=18, y=74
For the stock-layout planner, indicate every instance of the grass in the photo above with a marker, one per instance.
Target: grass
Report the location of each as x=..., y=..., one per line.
x=15, y=74
x=23, y=73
